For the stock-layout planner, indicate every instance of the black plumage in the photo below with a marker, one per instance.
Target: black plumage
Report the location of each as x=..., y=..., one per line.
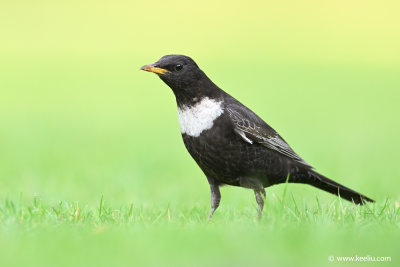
x=229, y=142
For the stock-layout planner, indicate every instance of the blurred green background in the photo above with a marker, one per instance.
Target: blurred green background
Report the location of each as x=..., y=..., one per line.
x=78, y=120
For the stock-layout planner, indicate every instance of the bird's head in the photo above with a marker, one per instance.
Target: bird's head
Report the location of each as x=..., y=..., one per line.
x=185, y=78
x=177, y=71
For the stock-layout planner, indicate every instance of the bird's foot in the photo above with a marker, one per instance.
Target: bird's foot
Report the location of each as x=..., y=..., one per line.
x=260, y=197
x=211, y=214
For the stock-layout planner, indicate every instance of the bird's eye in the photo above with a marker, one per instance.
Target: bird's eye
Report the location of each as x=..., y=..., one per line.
x=178, y=67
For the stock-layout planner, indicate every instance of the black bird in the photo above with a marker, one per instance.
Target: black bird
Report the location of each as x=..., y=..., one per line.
x=229, y=142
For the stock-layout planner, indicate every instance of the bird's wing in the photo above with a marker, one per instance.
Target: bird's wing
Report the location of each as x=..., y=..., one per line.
x=252, y=128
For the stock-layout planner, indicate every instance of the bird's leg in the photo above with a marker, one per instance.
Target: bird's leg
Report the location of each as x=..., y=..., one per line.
x=215, y=198
x=260, y=196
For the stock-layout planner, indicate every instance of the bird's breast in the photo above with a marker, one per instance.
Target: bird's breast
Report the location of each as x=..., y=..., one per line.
x=193, y=120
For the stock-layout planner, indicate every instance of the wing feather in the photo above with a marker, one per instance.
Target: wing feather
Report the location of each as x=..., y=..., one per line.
x=252, y=128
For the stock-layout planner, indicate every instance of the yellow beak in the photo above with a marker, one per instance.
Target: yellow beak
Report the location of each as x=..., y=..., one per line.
x=153, y=69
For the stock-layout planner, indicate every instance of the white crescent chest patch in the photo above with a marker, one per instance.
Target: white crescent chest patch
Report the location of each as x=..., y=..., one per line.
x=200, y=117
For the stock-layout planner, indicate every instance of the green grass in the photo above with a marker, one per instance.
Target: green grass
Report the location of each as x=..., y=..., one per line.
x=278, y=214
x=80, y=125
x=289, y=232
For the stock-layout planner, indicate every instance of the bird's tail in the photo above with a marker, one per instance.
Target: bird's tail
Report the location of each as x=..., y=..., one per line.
x=315, y=179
